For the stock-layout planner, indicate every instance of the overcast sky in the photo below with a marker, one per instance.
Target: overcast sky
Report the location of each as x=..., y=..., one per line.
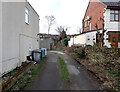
x=67, y=13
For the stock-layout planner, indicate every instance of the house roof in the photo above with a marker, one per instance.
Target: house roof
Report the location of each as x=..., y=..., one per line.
x=44, y=35
x=110, y=2
x=107, y=3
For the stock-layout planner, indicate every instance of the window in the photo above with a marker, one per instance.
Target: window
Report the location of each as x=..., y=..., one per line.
x=114, y=15
x=26, y=15
x=114, y=39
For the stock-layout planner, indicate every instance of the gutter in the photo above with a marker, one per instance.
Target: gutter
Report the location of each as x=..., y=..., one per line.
x=32, y=8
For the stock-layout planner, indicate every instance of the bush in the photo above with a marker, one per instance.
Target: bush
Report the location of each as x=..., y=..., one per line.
x=80, y=51
x=103, y=62
x=65, y=41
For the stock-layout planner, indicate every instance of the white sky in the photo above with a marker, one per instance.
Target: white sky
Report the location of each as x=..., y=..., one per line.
x=67, y=13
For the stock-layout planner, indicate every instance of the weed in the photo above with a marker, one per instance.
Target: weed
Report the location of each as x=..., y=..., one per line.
x=113, y=73
x=63, y=70
x=74, y=56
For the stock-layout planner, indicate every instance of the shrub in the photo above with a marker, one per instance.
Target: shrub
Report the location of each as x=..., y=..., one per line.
x=80, y=51
x=65, y=41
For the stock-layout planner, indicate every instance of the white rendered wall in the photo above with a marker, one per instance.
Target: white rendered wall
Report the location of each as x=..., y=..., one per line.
x=91, y=36
x=29, y=36
x=108, y=44
x=80, y=39
x=83, y=38
x=109, y=26
x=13, y=25
x=17, y=34
x=0, y=38
x=71, y=42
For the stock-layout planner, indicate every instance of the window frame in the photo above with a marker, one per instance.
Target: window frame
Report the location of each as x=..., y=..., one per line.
x=27, y=14
x=114, y=15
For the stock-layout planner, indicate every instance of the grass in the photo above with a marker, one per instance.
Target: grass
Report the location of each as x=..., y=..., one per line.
x=74, y=56
x=24, y=82
x=115, y=74
x=63, y=70
x=38, y=68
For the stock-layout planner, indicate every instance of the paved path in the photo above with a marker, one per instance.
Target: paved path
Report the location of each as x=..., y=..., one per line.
x=49, y=78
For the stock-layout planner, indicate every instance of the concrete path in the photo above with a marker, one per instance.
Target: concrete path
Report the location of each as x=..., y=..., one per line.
x=49, y=78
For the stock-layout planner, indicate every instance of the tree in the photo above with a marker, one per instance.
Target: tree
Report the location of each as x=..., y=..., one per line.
x=59, y=29
x=63, y=35
x=79, y=30
x=98, y=34
x=62, y=32
x=103, y=30
x=100, y=38
x=50, y=21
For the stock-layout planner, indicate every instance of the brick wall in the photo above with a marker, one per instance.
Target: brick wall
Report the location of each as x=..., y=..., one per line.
x=95, y=10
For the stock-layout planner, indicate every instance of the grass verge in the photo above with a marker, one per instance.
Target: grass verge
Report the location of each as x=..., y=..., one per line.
x=24, y=82
x=63, y=70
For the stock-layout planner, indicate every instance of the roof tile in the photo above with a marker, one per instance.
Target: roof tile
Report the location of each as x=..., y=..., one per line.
x=111, y=2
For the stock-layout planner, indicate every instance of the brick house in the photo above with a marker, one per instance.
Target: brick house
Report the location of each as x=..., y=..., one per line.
x=106, y=14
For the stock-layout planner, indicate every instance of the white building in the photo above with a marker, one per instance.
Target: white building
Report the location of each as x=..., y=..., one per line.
x=19, y=29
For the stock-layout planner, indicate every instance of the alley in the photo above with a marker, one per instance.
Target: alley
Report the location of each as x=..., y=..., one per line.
x=50, y=79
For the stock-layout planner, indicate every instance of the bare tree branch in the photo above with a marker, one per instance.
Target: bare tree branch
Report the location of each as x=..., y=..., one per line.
x=50, y=21
x=62, y=28
x=62, y=31
x=59, y=29
x=79, y=30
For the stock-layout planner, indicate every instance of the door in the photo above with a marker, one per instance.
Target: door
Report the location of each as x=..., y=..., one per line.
x=114, y=40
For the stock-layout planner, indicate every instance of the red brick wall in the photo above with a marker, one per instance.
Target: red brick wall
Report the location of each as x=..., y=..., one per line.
x=95, y=10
